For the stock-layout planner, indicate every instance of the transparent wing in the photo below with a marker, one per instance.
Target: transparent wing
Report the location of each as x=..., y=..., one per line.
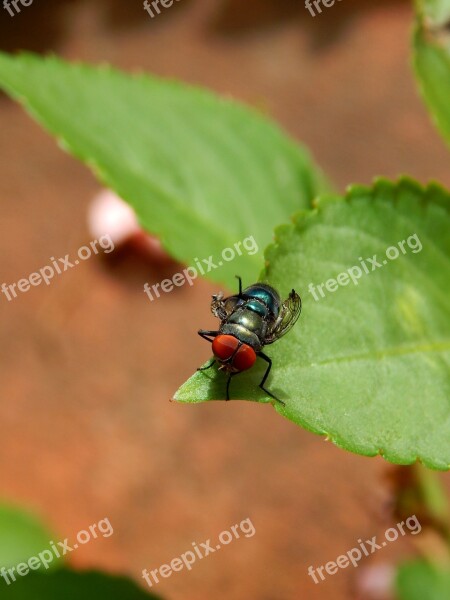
x=289, y=313
x=223, y=307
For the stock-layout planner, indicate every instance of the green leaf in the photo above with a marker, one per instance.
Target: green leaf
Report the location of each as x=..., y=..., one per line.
x=418, y=580
x=21, y=536
x=436, y=12
x=202, y=173
x=368, y=364
x=71, y=585
x=433, y=495
x=432, y=60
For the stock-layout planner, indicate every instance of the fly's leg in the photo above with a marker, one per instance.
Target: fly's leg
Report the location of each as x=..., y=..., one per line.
x=240, y=285
x=266, y=375
x=209, y=337
x=206, y=335
x=228, y=384
x=213, y=360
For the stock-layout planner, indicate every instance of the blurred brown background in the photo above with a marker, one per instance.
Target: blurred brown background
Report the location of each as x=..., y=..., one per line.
x=88, y=364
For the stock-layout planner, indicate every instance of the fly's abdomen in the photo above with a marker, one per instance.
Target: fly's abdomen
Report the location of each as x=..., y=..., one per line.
x=257, y=307
x=262, y=295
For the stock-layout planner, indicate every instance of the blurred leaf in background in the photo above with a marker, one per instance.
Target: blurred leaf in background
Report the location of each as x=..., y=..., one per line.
x=201, y=172
x=432, y=59
x=21, y=536
x=436, y=12
x=420, y=580
x=70, y=585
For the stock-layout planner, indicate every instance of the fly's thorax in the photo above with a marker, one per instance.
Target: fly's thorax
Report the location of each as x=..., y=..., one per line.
x=243, y=334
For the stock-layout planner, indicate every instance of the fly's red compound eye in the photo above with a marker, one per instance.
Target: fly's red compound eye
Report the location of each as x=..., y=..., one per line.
x=224, y=346
x=244, y=358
